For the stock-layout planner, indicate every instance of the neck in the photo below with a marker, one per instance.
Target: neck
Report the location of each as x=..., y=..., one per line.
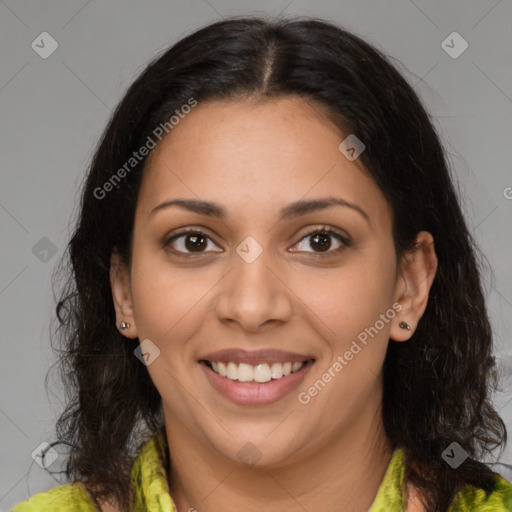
x=344, y=475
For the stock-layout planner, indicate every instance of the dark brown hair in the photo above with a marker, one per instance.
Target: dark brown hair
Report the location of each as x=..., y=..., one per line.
x=436, y=386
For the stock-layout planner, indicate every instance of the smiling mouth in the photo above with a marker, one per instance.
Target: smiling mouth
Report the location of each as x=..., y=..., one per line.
x=260, y=373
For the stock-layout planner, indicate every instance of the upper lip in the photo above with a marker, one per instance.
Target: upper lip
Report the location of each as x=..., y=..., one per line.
x=238, y=355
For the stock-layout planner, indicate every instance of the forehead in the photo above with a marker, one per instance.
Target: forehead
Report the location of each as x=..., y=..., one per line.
x=256, y=156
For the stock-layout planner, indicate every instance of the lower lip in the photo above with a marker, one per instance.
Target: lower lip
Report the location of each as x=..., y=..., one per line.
x=256, y=393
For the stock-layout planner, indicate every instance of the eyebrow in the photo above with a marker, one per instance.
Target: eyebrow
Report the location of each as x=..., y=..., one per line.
x=292, y=211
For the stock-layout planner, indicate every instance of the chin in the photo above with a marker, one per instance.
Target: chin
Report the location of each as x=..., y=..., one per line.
x=258, y=452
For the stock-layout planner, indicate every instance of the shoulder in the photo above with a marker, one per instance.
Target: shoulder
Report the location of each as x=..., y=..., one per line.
x=64, y=498
x=471, y=499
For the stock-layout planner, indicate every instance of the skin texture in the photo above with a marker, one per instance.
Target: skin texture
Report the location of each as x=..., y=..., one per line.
x=254, y=159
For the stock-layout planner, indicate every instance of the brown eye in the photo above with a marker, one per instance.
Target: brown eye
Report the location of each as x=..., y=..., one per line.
x=195, y=242
x=321, y=240
x=189, y=242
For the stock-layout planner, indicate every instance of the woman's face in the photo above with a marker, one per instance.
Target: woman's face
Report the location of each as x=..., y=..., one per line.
x=257, y=291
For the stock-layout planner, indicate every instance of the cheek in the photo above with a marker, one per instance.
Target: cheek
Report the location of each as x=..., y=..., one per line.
x=352, y=311
x=166, y=299
x=168, y=311
x=351, y=298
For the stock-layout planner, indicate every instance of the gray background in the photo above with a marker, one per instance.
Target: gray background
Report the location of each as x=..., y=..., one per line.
x=53, y=111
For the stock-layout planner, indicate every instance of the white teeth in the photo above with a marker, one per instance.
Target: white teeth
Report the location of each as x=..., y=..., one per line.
x=245, y=372
x=276, y=371
x=222, y=369
x=232, y=371
x=262, y=372
x=296, y=366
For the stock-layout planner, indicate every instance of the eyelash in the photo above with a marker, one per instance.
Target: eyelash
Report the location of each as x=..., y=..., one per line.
x=323, y=230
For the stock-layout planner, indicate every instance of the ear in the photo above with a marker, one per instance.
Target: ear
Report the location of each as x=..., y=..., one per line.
x=121, y=294
x=415, y=277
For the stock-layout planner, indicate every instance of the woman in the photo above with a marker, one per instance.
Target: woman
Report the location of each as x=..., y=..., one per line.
x=275, y=300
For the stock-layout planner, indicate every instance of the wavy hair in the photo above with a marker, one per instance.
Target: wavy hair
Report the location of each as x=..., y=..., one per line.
x=437, y=386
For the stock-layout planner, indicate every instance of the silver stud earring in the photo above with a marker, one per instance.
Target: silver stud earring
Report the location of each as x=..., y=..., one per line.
x=404, y=325
x=124, y=325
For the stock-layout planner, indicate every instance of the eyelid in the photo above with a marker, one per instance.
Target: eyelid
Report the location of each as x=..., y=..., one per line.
x=185, y=231
x=327, y=229
x=340, y=236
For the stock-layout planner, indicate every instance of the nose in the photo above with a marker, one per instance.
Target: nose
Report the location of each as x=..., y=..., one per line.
x=255, y=296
